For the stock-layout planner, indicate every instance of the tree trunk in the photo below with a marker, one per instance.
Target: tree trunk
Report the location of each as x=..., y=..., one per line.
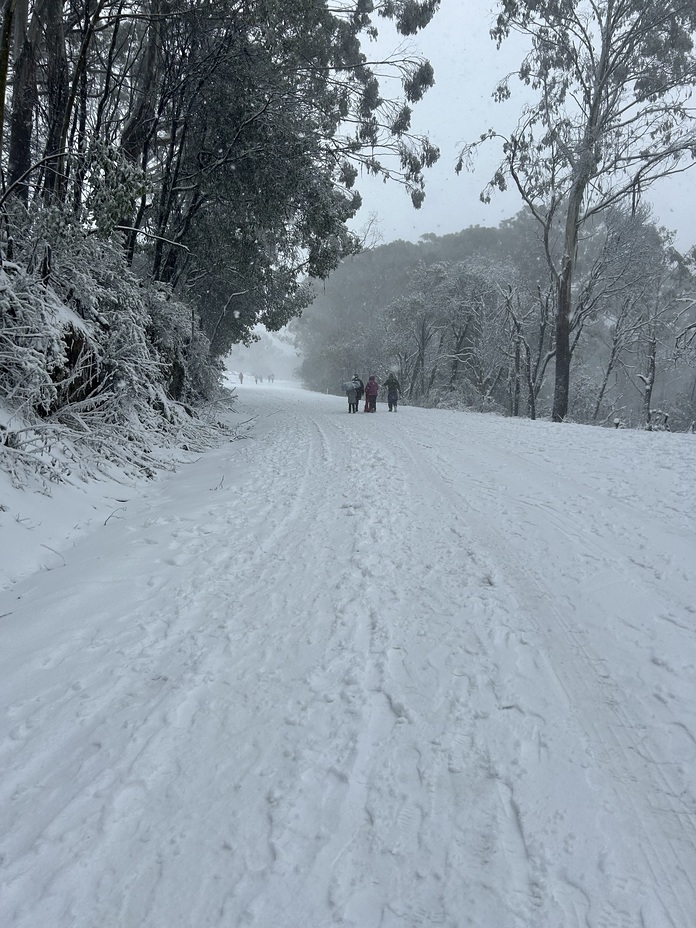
x=139, y=126
x=459, y=341
x=170, y=176
x=516, y=385
x=7, y=20
x=531, y=387
x=433, y=372
x=564, y=307
x=57, y=86
x=23, y=102
x=605, y=381
x=649, y=383
x=423, y=346
x=141, y=121
x=583, y=169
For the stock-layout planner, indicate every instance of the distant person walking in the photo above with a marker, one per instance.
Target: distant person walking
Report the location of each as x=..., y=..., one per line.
x=361, y=387
x=241, y=377
x=371, y=391
x=393, y=391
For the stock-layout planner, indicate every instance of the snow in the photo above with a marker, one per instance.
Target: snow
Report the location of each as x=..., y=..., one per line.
x=419, y=669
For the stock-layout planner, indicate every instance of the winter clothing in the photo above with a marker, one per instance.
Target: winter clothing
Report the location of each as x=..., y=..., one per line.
x=371, y=391
x=361, y=387
x=351, y=389
x=393, y=390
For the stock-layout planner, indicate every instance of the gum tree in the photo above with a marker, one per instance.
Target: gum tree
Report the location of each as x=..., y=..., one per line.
x=613, y=81
x=219, y=140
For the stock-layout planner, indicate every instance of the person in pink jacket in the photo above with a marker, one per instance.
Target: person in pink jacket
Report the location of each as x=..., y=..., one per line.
x=371, y=391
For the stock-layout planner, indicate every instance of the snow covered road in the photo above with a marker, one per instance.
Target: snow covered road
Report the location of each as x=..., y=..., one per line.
x=425, y=669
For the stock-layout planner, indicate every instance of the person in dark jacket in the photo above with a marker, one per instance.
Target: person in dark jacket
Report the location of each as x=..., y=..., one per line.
x=371, y=391
x=393, y=390
x=361, y=387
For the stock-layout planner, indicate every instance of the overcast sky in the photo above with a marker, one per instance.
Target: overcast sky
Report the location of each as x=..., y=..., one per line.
x=458, y=109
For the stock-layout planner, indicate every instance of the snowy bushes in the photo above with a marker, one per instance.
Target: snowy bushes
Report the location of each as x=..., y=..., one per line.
x=96, y=366
x=190, y=374
x=29, y=344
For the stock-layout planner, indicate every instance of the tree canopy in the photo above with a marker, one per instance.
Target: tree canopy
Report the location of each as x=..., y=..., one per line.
x=223, y=139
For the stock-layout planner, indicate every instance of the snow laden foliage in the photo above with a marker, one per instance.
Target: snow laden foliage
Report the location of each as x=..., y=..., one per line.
x=223, y=139
x=98, y=369
x=467, y=321
x=613, y=115
x=216, y=146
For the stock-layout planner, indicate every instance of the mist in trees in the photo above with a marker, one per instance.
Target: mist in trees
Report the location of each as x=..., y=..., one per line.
x=204, y=157
x=468, y=320
x=210, y=148
x=612, y=117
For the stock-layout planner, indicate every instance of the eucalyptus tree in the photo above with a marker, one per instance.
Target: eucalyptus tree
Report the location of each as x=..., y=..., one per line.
x=446, y=331
x=656, y=336
x=412, y=326
x=628, y=271
x=613, y=81
x=262, y=157
x=529, y=320
x=222, y=138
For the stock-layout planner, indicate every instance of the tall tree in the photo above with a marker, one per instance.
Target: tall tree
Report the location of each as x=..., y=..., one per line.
x=251, y=122
x=24, y=94
x=56, y=88
x=613, y=115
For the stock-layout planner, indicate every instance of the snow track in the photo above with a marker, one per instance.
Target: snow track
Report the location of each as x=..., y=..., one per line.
x=429, y=669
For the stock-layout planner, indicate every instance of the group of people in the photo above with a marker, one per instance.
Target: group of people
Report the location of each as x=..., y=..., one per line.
x=257, y=377
x=355, y=389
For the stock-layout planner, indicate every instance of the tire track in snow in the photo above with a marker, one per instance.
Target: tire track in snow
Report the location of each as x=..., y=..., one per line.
x=389, y=815
x=420, y=526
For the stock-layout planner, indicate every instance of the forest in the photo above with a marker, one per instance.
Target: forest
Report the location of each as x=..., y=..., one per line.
x=579, y=308
x=467, y=321
x=175, y=174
